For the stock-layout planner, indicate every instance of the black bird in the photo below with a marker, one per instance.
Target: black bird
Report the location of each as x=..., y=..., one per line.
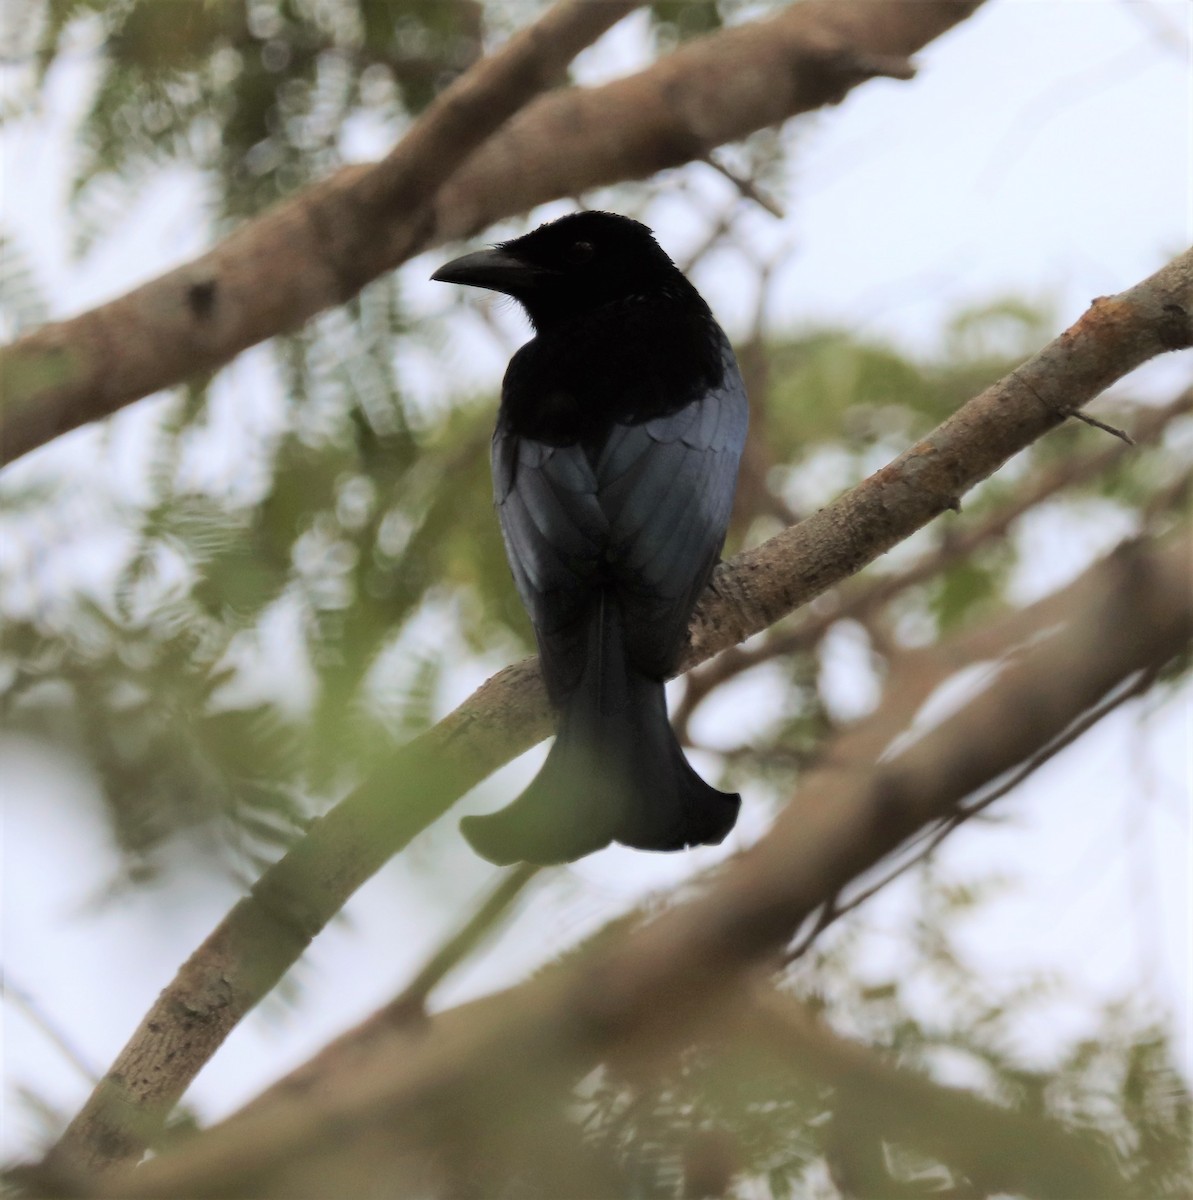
x=614, y=466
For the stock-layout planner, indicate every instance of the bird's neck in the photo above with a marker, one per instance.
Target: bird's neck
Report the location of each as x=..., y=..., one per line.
x=624, y=363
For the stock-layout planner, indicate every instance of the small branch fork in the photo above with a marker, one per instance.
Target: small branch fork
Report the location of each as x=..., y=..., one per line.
x=1077, y=415
x=748, y=188
x=1113, y=430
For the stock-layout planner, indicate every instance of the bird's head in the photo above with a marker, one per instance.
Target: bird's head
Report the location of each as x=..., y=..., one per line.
x=571, y=266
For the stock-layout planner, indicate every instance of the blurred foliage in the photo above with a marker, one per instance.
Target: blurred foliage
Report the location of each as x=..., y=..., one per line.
x=254, y=93
x=22, y=301
x=270, y=629
x=258, y=94
x=357, y=534
x=755, y=1121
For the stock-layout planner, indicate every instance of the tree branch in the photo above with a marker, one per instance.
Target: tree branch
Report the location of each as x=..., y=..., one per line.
x=658, y=987
x=269, y=929
x=834, y=908
x=867, y=594
x=413, y=998
x=1115, y=335
x=318, y=249
x=917, y=674
x=301, y=256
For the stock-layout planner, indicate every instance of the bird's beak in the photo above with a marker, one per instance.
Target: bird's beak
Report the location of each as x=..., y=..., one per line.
x=498, y=270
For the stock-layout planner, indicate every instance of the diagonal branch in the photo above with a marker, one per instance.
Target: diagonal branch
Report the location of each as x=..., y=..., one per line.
x=868, y=594
x=269, y=929
x=1115, y=335
x=834, y=908
x=412, y=1001
x=916, y=675
x=653, y=990
x=321, y=247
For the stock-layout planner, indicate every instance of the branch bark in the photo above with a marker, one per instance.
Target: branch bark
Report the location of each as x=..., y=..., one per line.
x=657, y=988
x=320, y=248
x=1115, y=335
x=269, y=929
x=870, y=594
x=916, y=674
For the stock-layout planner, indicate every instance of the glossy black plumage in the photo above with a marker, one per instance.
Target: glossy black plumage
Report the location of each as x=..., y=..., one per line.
x=614, y=468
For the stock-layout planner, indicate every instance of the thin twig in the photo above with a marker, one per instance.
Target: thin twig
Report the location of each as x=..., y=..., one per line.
x=831, y=911
x=1071, y=411
x=488, y=913
x=712, y=239
x=1077, y=414
x=746, y=186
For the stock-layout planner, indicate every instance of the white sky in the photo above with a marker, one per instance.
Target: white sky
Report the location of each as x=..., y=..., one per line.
x=1045, y=150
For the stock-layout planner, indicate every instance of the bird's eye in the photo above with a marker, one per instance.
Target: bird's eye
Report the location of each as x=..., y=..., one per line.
x=580, y=252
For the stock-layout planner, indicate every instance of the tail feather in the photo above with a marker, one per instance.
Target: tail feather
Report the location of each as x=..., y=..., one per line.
x=615, y=773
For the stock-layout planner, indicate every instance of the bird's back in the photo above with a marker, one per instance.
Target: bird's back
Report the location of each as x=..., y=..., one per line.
x=637, y=506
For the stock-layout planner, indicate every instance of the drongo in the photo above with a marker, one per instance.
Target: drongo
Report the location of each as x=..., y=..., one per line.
x=615, y=462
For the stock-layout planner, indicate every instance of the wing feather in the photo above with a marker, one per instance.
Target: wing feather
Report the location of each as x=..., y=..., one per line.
x=646, y=515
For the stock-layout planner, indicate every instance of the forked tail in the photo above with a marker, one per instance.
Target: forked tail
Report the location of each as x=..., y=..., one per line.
x=615, y=772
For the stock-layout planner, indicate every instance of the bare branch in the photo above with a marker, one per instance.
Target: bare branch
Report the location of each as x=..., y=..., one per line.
x=407, y=1010
x=1094, y=423
x=489, y=913
x=913, y=681
x=1114, y=336
x=748, y=188
x=303, y=255
x=269, y=929
x=321, y=247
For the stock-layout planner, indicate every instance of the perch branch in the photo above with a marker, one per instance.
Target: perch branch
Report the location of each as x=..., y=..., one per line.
x=863, y=596
x=916, y=675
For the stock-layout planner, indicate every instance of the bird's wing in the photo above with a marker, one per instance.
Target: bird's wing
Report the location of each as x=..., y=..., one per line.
x=555, y=532
x=647, y=516
x=666, y=488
